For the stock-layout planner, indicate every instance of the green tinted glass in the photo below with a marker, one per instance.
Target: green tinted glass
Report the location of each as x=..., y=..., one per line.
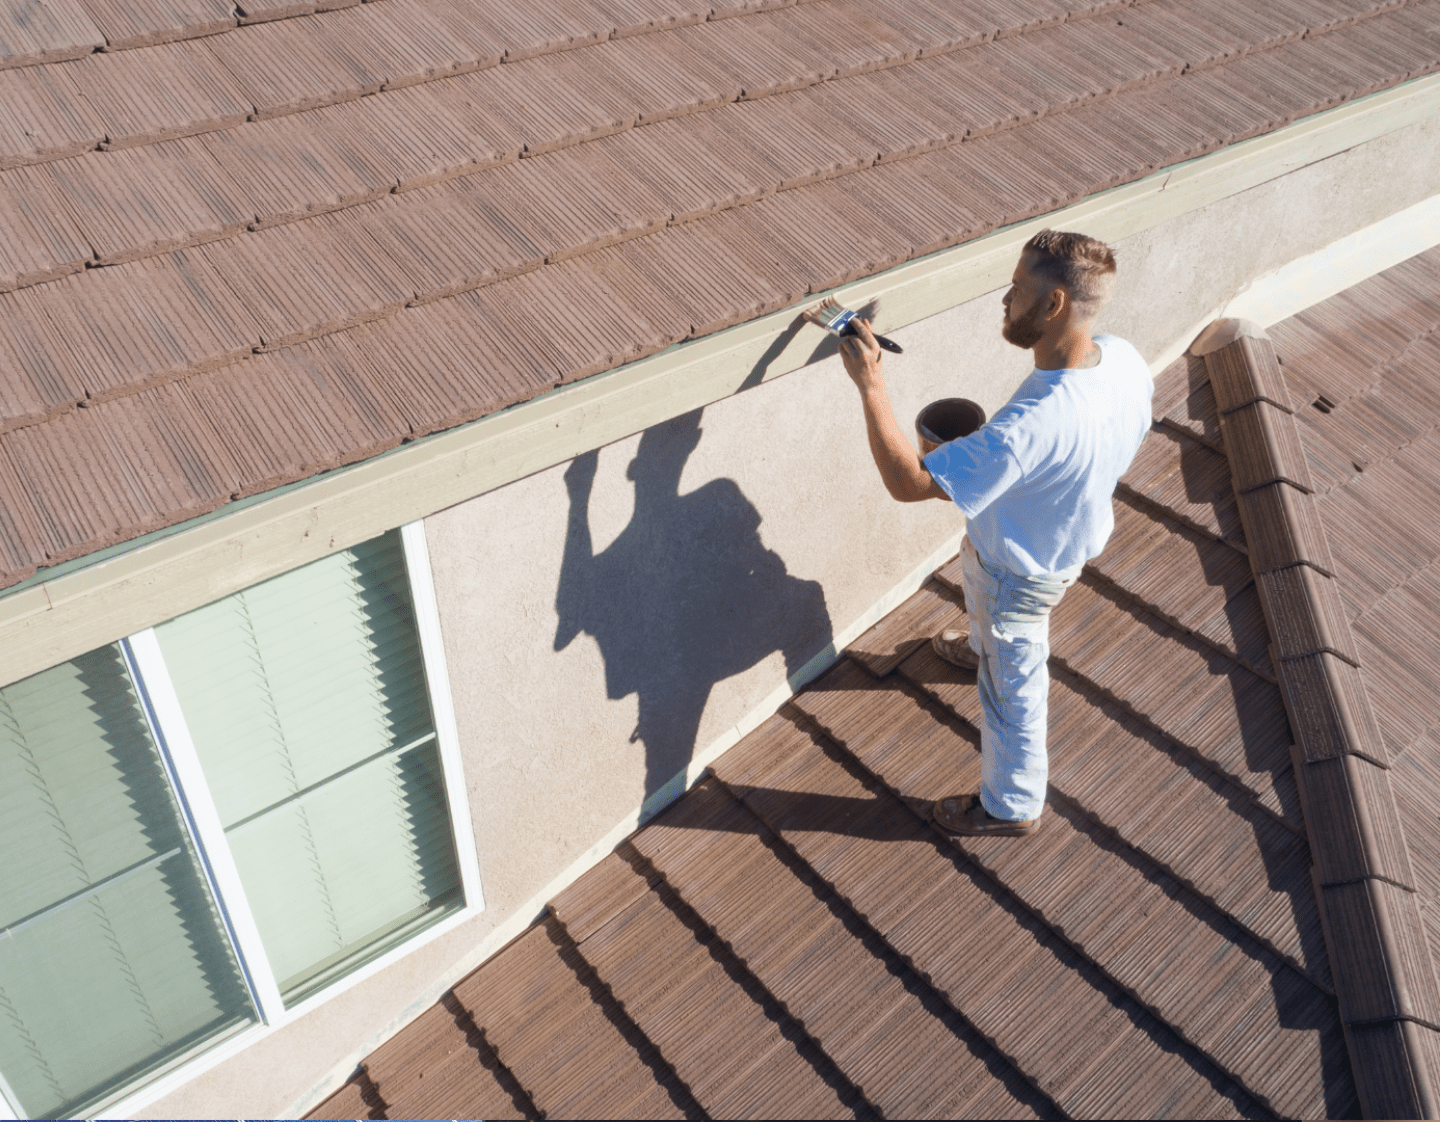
x=113, y=959
x=307, y=703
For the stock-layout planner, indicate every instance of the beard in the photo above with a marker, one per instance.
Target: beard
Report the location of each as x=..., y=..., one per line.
x=1028, y=330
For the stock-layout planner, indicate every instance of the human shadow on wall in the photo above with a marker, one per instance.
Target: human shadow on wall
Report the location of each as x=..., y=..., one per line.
x=687, y=596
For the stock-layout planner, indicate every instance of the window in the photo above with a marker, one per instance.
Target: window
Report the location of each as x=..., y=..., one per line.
x=209, y=823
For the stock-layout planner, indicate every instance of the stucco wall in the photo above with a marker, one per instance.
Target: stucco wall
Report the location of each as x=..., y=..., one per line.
x=726, y=549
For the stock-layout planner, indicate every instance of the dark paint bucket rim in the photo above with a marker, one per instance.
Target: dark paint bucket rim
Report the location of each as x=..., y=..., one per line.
x=954, y=417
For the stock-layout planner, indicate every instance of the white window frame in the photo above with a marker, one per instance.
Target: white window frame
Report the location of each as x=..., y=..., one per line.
x=182, y=764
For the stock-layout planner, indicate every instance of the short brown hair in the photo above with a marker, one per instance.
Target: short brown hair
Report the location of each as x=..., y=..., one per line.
x=1083, y=266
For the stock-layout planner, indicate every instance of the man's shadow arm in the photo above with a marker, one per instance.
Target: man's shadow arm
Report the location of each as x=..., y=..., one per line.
x=579, y=550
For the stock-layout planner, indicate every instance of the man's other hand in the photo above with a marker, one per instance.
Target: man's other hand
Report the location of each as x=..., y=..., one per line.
x=862, y=356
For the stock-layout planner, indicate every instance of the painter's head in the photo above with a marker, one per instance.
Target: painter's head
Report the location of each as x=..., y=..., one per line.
x=1061, y=279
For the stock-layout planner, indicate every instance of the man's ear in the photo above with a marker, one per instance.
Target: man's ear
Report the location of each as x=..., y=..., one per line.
x=1059, y=303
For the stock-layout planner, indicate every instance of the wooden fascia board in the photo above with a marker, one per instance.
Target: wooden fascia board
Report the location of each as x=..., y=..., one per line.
x=42, y=624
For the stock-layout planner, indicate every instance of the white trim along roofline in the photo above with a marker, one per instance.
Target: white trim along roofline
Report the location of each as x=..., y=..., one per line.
x=46, y=622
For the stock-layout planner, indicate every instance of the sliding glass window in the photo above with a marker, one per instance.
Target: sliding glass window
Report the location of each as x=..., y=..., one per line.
x=208, y=823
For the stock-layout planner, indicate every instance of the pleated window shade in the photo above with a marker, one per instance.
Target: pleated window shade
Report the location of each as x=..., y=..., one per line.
x=306, y=700
x=113, y=957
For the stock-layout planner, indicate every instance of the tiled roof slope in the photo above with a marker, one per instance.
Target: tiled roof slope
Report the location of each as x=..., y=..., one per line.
x=328, y=233
x=1336, y=460
x=793, y=938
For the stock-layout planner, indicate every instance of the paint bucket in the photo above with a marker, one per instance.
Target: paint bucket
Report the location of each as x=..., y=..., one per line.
x=945, y=420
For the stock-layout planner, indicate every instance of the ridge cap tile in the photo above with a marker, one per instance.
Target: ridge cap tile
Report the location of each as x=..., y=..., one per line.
x=1330, y=709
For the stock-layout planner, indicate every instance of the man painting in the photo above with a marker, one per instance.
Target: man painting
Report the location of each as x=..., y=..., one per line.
x=1035, y=484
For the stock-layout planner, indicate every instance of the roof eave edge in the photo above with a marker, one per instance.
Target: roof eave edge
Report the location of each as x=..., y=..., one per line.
x=1364, y=884
x=74, y=609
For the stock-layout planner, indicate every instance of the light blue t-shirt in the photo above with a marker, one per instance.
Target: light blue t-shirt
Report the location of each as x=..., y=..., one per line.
x=1036, y=482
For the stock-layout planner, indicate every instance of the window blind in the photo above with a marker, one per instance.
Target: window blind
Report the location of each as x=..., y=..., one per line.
x=113, y=958
x=306, y=700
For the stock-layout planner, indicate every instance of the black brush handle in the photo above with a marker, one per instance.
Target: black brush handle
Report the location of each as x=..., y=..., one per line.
x=884, y=340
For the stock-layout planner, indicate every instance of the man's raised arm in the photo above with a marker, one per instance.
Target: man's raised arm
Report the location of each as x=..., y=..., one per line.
x=901, y=468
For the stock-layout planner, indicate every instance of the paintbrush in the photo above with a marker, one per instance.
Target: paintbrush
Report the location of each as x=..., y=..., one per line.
x=832, y=317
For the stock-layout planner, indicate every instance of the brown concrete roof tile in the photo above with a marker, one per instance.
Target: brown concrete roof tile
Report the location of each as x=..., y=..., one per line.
x=936, y=28
x=43, y=116
x=538, y=26
x=861, y=1045
x=138, y=205
x=285, y=67
x=682, y=968
x=1377, y=980
x=173, y=90
x=31, y=33
x=662, y=77
x=1264, y=448
x=1184, y=816
x=766, y=54
x=1283, y=528
x=1305, y=614
x=1250, y=745
x=261, y=11
x=144, y=23
x=870, y=42
x=1330, y=709
x=36, y=246
x=436, y=1070
x=567, y=1046
x=1349, y=795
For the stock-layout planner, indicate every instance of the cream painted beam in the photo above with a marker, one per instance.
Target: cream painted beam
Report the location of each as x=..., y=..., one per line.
x=69, y=614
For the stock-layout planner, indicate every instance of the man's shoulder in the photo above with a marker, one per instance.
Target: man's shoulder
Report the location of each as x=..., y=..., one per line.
x=1122, y=353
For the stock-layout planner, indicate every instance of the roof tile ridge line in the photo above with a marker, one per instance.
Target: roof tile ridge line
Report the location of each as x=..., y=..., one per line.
x=1359, y=846
x=1148, y=863
x=730, y=960
x=1094, y=688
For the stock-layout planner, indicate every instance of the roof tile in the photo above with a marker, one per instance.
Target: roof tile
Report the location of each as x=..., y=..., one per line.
x=43, y=116
x=1305, y=614
x=134, y=205
x=1381, y=963
x=1244, y=372
x=281, y=180
x=438, y=1068
x=286, y=66
x=144, y=23
x=37, y=244
x=1283, y=528
x=535, y=27
x=1330, y=708
x=937, y=28
x=568, y=1049
x=676, y=972
x=33, y=33
x=1359, y=836
x=1264, y=447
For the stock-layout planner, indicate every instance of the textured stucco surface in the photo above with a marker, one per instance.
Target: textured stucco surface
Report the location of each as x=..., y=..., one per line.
x=776, y=480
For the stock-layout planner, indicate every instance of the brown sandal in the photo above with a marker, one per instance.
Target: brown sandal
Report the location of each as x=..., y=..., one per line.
x=954, y=647
x=967, y=816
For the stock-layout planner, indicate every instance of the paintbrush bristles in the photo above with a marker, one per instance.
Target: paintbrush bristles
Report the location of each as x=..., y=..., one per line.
x=830, y=315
